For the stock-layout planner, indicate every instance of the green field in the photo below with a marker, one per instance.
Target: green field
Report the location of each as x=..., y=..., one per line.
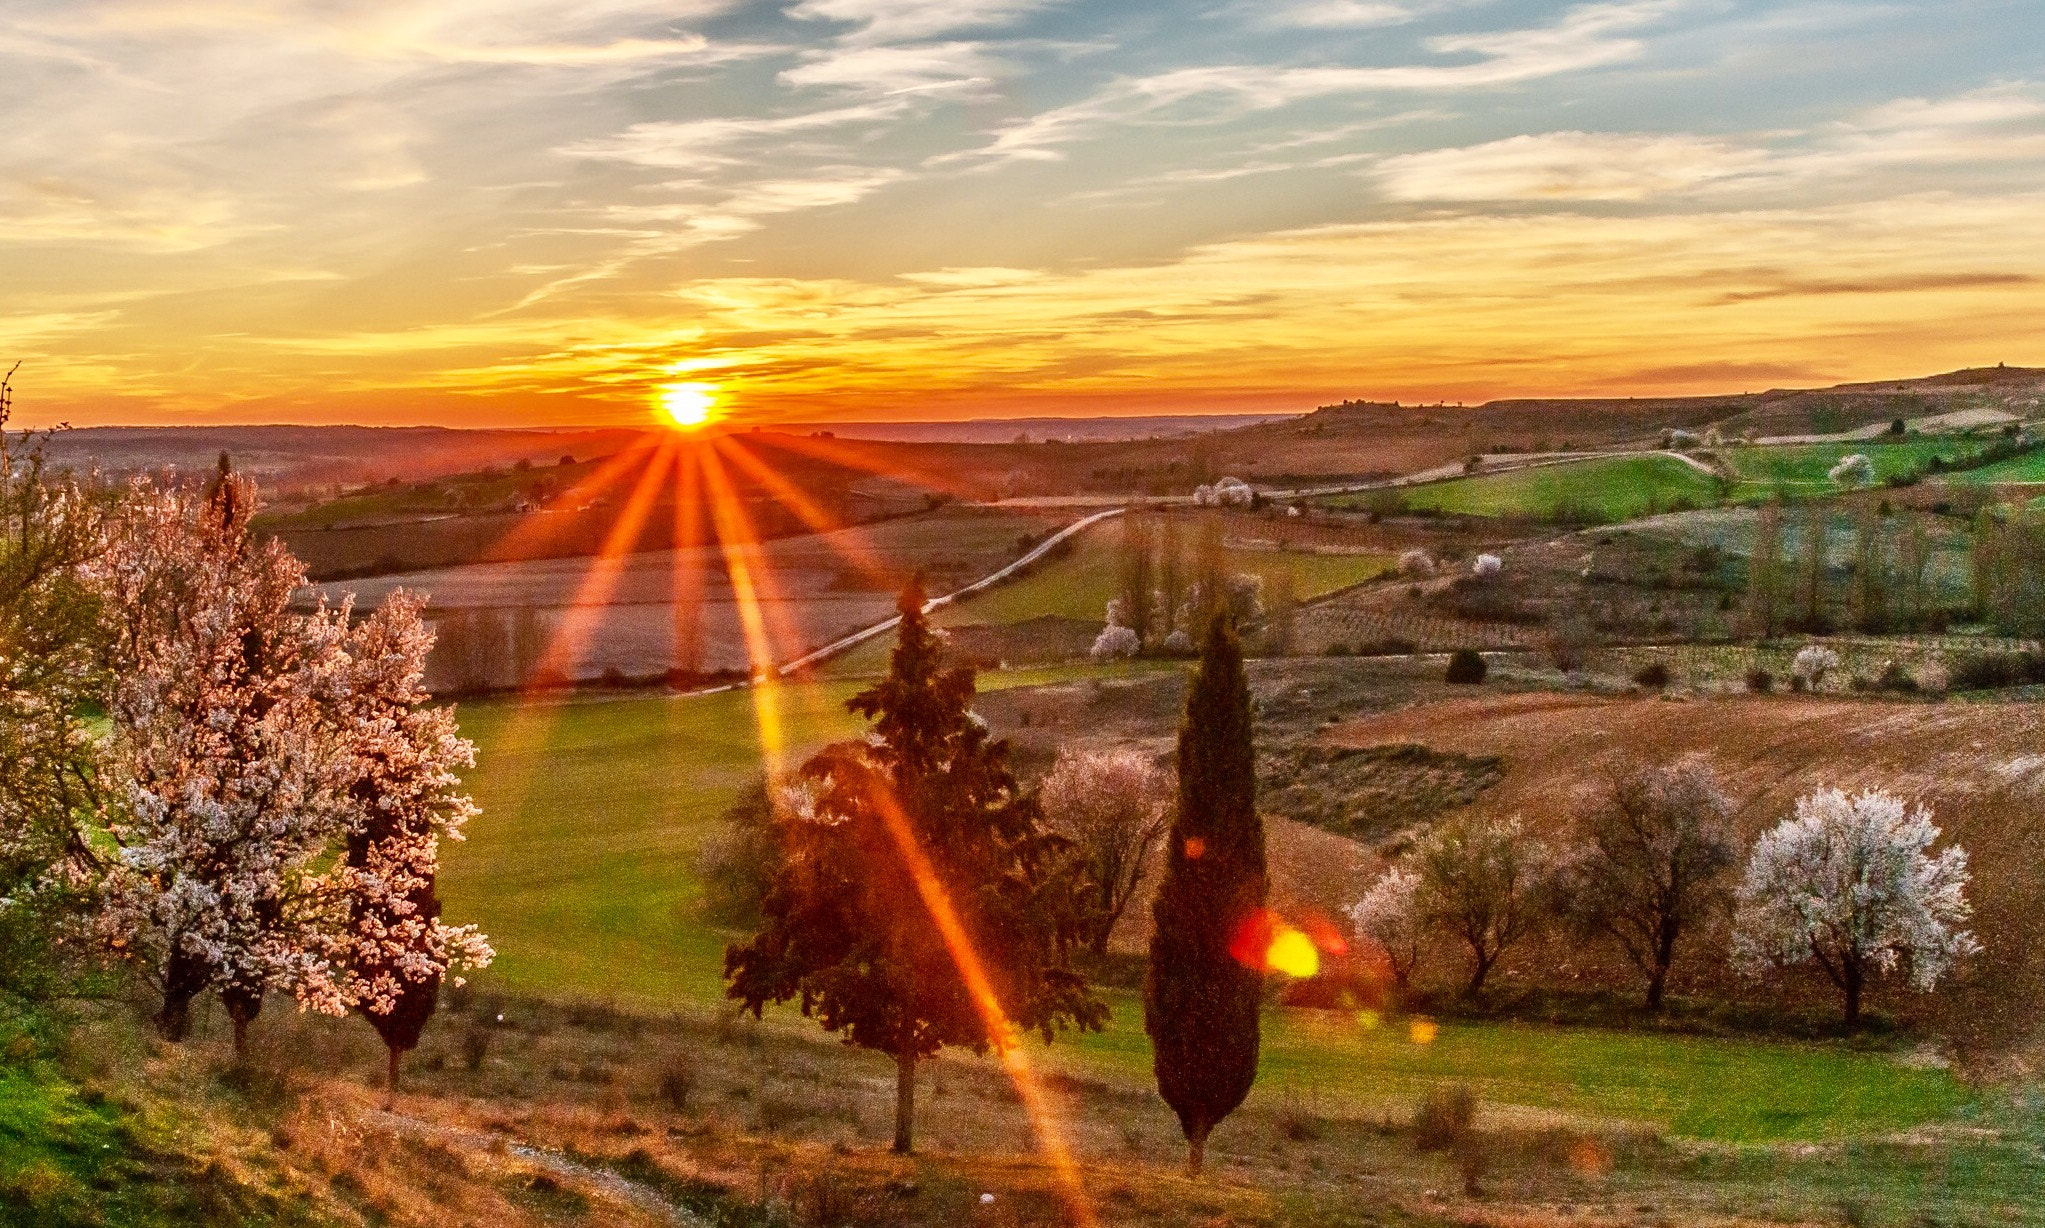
x=579, y=869
x=1806, y=468
x=1608, y=489
x=2029, y=468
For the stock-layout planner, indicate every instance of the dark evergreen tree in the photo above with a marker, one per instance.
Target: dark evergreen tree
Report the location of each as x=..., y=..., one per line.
x=913, y=864
x=1200, y=998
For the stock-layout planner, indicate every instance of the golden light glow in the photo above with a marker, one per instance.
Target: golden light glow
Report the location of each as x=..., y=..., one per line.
x=1292, y=953
x=688, y=406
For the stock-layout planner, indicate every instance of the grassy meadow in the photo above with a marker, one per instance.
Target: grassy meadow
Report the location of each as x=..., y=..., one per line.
x=1803, y=469
x=580, y=871
x=1608, y=489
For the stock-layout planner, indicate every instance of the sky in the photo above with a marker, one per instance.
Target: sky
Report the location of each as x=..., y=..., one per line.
x=539, y=212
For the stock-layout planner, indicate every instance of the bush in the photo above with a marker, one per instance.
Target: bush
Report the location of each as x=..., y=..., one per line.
x=1653, y=676
x=1445, y=1117
x=1895, y=678
x=1760, y=681
x=677, y=1080
x=1987, y=671
x=1466, y=667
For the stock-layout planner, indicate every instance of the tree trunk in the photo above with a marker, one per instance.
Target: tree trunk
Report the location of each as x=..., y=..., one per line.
x=1655, y=985
x=905, y=1101
x=390, y=1085
x=1196, y=1151
x=243, y=1005
x=184, y=979
x=241, y=1040
x=1477, y=976
x=1853, y=980
x=1664, y=955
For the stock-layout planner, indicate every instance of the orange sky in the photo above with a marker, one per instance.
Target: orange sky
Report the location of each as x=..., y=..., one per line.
x=544, y=211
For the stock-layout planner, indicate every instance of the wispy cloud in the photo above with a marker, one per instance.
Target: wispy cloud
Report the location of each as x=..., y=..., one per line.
x=1586, y=37
x=1564, y=166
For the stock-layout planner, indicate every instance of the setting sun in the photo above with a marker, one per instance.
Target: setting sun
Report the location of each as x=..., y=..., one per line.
x=688, y=405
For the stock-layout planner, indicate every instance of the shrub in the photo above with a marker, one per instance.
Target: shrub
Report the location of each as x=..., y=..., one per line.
x=1653, y=676
x=475, y=1045
x=1760, y=681
x=1895, y=678
x=1486, y=566
x=1445, y=1117
x=1986, y=671
x=677, y=1080
x=1115, y=643
x=1466, y=667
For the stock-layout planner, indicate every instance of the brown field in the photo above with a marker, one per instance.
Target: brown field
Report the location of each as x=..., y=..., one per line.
x=1980, y=767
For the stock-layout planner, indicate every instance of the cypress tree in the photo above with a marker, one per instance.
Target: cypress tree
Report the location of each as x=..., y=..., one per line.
x=1200, y=1002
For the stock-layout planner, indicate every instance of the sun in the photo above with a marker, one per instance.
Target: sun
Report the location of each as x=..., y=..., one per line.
x=687, y=406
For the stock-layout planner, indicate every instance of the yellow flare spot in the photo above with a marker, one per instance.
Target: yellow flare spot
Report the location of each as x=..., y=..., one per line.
x=688, y=406
x=1293, y=954
x=1367, y=1019
x=1423, y=1031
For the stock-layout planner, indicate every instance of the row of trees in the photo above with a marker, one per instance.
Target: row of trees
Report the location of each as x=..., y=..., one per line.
x=226, y=794
x=1890, y=583
x=912, y=895
x=1849, y=883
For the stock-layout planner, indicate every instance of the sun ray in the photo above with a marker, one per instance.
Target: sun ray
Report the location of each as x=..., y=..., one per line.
x=847, y=540
x=958, y=944
x=735, y=541
x=533, y=530
x=689, y=584
x=594, y=592
x=868, y=458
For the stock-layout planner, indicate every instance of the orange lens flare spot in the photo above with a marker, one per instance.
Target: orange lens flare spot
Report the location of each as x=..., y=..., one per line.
x=1423, y=1031
x=1266, y=942
x=687, y=406
x=1196, y=848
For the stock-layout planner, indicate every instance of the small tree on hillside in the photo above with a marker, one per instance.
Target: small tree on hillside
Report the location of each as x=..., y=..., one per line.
x=1850, y=883
x=898, y=846
x=1388, y=917
x=1136, y=592
x=406, y=796
x=223, y=737
x=1114, y=807
x=1655, y=854
x=1200, y=1001
x=1480, y=882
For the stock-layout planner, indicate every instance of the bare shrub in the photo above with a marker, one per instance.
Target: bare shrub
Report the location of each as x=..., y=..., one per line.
x=1444, y=1117
x=677, y=1080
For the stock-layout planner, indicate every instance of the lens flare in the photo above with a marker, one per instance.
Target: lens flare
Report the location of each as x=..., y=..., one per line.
x=1292, y=953
x=688, y=406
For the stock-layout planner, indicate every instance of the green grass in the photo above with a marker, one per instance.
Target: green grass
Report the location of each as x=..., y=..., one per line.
x=2027, y=468
x=1697, y=1087
x=580, y=866
x=1610, y=489
x=1806, y=468
x=73, y=1157
x=1081, y=584
x=580, y=871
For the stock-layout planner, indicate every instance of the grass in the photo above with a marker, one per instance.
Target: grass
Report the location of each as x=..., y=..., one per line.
x=580, y=871
x=1696, y=1087
x=1080, y=584
x=1806, y=468
x=2025, y=469
x=580, y=867
x=1611, y=489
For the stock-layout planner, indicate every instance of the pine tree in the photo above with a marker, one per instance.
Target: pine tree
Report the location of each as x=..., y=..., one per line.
x=1201, y=1001
x=891, y=844
x=406, y=796
x=1811, y=567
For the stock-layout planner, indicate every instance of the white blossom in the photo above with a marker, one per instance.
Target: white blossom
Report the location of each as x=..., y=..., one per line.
x=1114, y=643
x=1812, y=662
x=1853, y=470
x=1388, y=917
x=1851, y=884
x=1487, y=565
x=1416, y=563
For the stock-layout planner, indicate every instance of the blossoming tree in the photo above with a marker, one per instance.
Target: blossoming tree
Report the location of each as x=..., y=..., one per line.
x=391, y=948
x=1850, y=884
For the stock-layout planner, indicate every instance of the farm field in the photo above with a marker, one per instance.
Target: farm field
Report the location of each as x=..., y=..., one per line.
x=2028, y=469
x=580, y=869
x=1805, y=468
x=1079, y=585
x=1607, y=489
x=813, y=588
